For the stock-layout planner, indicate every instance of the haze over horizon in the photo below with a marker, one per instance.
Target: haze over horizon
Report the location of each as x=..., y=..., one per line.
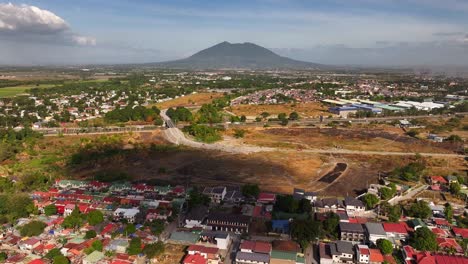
x=364, y=32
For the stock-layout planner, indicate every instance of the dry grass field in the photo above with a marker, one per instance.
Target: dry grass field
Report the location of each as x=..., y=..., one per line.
x=197, y=99
x=303, y=109
x=343, y=138
x=277, y=171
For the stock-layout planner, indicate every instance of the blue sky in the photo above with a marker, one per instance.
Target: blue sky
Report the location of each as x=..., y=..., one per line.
x=363, y=32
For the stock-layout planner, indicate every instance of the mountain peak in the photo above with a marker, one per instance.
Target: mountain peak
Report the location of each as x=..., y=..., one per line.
x=237, y=55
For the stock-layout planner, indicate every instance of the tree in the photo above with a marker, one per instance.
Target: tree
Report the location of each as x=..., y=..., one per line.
x=50, y=210
x=293, y=116
x=239, y=133
x=454, y=138
x=265, y=115
x=304, y=231
x=90, y=234
x=197, y=198
x=135, y=246
x=386, y=193
x=53, y=253
x=330, y=225
x=33, y=228
x=394, y=213
x=3, y=256
x=370, y=200
x=424, y=239
x=154, y=250
x=95, y=217
x=157, y=227
x=455, y=188
x=243, y=118
x=60, y=260
x=385, y=246
x=130, y=229
x=282, y=116
x=74, y=220
x=448, y=212
x=97, y=245
x=251, y=190
x=284, y=122
x=420, y=209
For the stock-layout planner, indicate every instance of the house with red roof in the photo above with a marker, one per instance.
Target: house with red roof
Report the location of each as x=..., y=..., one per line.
x=37, y=261
x=460, y=232
x=442, y=223
x=448, y=259
x=438, y=180
x=447, y=244
x=29, y=244
x=249, y=246
x=439, y=232
x=210, y=254
x=195, y=259
x=362, y=253
x=376, y=256
x=397, y=231
x=266, y=198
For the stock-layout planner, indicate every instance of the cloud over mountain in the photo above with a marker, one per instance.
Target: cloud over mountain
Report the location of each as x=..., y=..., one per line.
x=30, y=23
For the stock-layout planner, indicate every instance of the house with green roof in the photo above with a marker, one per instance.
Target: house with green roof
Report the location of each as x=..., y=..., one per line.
x=286, y=257
x=72, y=184
x=184, y=237
x=120, y=186
x=93, y=258
x=163, y=189
x=416, y=223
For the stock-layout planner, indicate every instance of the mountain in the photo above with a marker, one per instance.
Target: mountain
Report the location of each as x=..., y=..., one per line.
x=236, y=55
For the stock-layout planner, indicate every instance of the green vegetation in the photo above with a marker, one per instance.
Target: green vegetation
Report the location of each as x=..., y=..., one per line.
x=305, y=231
x=180, y=114
x=74, y=220
x=90, y=234
x=50, y=210
x=370, y=200
x=60, y=260
x=330, y=225
x=133, y=113
x=197, y=198
x=203, y=133
x=385, y=246
x=411, y=172
x=250, y=190
x=15, y=206
x=95, y=217
x=287, y=203
x=135, y=246
x=448, y=212
x=420, y=209
x=154, y=250
x=209, y=114
x=239, y=133
x=424, y=239
x=33, y=228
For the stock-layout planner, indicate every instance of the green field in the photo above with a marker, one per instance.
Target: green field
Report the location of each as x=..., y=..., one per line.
x=15, y=90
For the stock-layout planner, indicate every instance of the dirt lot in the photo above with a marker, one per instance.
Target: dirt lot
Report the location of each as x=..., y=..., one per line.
x=173, y=254
x=277, y=171
x=363, y=139
x=190, y=100
x=303, y=109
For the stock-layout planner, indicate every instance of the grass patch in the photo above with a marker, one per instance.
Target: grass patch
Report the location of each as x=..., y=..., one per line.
x=15, y=90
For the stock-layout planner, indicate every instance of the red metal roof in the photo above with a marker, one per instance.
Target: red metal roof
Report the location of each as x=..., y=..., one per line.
x=376, y=255
x=463, y=232
x=203, y=249
x=399, y=228
x=195, y=259
x=447, y=259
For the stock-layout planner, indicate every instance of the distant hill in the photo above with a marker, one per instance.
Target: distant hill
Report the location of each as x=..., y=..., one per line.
x=236, y=55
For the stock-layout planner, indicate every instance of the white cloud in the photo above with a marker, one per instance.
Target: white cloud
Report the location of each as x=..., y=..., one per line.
x=26, y=22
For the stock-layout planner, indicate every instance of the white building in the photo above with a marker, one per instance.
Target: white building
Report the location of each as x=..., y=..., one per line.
x=362, y=254
x=127, y=213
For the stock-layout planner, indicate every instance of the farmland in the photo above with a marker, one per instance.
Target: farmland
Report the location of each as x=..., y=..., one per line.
x=15, y=90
